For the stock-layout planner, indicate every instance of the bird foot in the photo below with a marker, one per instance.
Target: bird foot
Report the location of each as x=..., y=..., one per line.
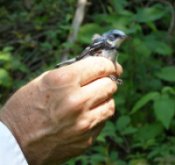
x=118, y=81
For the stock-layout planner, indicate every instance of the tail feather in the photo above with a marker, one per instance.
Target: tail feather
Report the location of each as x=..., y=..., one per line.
x=67, y=62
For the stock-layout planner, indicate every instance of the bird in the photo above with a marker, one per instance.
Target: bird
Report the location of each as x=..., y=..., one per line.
x=106, y=45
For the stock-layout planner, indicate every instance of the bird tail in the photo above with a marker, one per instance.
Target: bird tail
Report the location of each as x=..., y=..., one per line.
x=67, y=62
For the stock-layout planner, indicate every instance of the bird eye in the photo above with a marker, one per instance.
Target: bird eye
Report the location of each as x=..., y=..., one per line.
x=116, y=35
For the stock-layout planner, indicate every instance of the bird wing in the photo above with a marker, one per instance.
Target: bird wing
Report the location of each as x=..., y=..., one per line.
x=97, y=45
x=96, y=36
x=67, y=62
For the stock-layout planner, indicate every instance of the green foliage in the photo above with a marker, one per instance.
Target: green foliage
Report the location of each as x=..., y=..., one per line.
x=5, y=79
x=167, y=73
x=164, y=109
x=149, y=14
x=142, y=132
x=144, y=100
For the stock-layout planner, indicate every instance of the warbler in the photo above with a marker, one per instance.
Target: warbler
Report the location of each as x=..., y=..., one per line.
x=105, y=45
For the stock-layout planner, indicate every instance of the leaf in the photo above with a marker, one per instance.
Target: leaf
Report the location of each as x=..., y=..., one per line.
x=15, y=66
x=157, y=45
x=169, y=90
x=129, y=130
x=119, y=5
x=154, y=129
x=148, y=14
x=167, y=73
x=164, y=109
x=139, y=161
x=5, y=57
x=109, y=130
x=141, y=47
x=163, y=49
x=5, y=79
x=123, y=122
x=97, y=158
x=144, y=100
x=7, y=49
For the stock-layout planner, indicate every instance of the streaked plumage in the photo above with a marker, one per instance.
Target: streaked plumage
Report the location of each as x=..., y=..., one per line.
x=105, y=45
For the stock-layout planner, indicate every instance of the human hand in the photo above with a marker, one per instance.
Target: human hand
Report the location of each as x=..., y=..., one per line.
x=59, y=114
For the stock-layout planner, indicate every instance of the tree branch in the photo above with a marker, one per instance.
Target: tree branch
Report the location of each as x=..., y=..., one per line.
x=76, y=23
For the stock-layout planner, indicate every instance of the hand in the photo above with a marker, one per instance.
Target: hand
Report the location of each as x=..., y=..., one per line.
x=59, y=114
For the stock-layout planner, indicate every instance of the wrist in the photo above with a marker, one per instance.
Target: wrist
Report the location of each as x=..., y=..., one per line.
x=8, y=117
x=14, y=114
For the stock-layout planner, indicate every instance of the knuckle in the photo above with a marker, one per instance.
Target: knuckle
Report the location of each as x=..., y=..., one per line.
x=84, y=126
x=111, y=108
x=104, y=114
x=46, y=77
x=112, y=86
x=103, y=65
x=119, y=69
x=63, y=76
x=75, y=100
x=102, y=70
x=59, y=76
x=89, y=142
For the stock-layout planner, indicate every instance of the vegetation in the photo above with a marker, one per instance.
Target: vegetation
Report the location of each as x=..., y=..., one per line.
x=34, y=35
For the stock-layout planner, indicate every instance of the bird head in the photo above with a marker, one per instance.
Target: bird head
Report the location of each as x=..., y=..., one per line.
x=115, y=37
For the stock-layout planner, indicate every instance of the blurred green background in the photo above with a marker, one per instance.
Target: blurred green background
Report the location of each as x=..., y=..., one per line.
x=33, y=38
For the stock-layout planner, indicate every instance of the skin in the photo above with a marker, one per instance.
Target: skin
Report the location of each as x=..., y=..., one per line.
x=60, y=113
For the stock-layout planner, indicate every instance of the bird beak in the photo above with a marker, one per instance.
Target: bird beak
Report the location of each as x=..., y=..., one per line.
x=125, y=37
x=121, y=40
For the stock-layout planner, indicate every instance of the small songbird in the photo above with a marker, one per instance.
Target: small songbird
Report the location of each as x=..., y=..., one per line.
x=105, y=45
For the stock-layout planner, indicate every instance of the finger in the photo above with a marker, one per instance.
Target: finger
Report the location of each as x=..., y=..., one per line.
x=119, y=69
x=93, y=68
x=89, y=137
x=98, y=91
x=89, y=119
x=102, y=112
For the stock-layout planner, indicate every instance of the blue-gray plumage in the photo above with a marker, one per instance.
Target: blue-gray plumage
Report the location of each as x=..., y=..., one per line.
x=105, y=45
